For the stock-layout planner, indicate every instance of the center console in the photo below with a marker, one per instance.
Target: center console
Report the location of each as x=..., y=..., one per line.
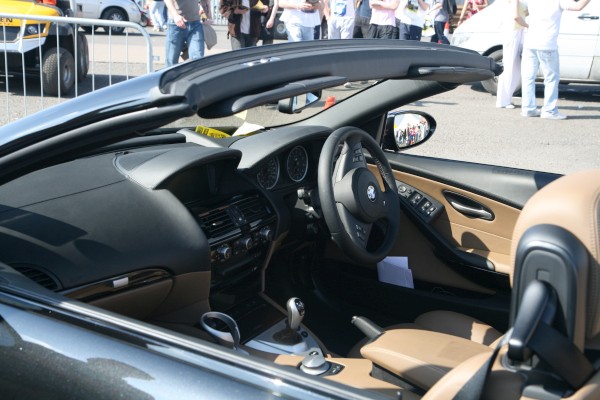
x=239, y=233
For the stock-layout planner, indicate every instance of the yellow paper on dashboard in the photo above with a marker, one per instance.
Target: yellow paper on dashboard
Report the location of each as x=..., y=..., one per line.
x=215, y=133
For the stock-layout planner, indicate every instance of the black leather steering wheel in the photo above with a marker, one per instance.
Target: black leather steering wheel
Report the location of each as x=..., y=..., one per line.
x=351, y=198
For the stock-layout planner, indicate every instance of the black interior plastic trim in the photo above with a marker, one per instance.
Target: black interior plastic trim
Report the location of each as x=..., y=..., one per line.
x=155, y=172
x=144, y=141
x=551, y=254
x=538, y=305
x=509, y=186
x=450, y=74
x=236, y=104
x=110, y=285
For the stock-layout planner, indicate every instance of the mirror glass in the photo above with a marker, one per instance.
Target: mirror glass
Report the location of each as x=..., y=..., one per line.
x=410, y=129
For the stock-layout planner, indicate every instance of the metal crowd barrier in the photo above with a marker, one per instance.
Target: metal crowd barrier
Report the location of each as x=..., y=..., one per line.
x=31, y=67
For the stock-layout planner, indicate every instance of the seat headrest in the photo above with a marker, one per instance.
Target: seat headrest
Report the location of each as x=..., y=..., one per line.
x=571, y=202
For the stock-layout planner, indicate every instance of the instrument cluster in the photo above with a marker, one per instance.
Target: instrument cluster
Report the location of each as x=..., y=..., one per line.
x=296, y=165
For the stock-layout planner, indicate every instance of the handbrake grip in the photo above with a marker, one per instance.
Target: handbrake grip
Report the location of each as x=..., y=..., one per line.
x=368, y=327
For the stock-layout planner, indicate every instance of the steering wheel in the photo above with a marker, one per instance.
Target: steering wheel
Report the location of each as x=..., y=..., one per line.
x=351, y=198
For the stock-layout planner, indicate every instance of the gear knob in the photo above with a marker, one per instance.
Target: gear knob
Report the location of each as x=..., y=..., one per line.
x=295, y=310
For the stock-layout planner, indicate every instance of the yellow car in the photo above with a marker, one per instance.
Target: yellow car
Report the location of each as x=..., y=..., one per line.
x=35, y=47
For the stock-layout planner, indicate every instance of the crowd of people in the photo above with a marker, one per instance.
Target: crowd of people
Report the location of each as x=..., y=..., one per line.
x=251, y=21
x=529, y=29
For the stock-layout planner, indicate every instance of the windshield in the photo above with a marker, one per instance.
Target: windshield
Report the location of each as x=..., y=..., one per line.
x=269, y=115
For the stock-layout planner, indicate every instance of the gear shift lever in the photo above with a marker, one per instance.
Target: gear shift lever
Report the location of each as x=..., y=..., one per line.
x=289, y=335
x=295, y=310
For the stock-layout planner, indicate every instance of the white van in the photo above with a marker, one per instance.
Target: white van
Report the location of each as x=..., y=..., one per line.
x=578, y=41
x=114, y=10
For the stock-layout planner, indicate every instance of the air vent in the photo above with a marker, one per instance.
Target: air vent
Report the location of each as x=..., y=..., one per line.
x=253, y=209
x=230, y=219
x=39, y=277
x=216, y=223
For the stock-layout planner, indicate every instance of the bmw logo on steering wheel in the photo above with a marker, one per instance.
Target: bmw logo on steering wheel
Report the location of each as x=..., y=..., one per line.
x=371, y=193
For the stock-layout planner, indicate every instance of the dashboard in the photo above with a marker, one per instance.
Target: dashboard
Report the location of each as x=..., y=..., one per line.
x=116, y=220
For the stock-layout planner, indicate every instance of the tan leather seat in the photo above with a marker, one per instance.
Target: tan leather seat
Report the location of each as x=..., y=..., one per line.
x=571, y=203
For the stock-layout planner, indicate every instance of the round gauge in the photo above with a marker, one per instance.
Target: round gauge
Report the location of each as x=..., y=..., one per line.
x=297, y=163
x=268, y=175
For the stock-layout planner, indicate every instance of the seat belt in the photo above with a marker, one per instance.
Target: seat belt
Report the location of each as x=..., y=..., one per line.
x=565, y=359
x=559, y=353
x=473, y=389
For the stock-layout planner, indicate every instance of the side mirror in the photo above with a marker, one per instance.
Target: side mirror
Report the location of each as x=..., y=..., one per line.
x=407, y=129
x=296, y=104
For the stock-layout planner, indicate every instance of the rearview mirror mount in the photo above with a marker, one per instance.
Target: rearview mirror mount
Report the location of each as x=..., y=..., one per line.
x=296, y=104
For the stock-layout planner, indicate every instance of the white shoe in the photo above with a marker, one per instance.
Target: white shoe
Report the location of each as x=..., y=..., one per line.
x=555, y=115
x=534, y=113
x=508, y=106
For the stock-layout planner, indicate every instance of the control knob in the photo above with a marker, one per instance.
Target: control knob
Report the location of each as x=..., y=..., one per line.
x=224, y=252
x=266, y=234
x=247, y=243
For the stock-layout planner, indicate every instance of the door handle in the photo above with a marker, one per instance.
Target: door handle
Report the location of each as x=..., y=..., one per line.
x=472, y=212
x=588, y=16
x=468, y=206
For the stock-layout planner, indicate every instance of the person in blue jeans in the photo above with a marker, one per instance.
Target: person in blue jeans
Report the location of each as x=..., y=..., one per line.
x=362, y=19
x=440, y=16
x=184, y=26
x=540, y=51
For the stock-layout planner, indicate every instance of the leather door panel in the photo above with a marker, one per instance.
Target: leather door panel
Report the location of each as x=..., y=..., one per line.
x=467, y=243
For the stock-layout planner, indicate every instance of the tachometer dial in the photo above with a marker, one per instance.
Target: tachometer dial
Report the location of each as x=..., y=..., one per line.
x=268, y=175
x=297, y=163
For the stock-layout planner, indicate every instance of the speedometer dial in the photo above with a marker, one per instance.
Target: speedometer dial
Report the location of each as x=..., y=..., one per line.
x=297, y=163
x=268, y=175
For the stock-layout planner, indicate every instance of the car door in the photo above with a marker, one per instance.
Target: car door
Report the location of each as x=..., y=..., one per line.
x=578, y=41
x=87, y=9
x=457, y=224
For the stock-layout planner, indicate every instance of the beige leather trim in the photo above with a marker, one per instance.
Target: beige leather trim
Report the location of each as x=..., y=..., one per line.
x=589, y=391
x=424, y=264
x=356, y=373
x=419, y=356
x=136, y=303
x=450, y=385
x=460, y=325
x=573, y=203
x=491, y=239
x=500, y=385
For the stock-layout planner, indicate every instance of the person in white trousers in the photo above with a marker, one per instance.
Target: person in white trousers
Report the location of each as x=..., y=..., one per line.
x=513, y=28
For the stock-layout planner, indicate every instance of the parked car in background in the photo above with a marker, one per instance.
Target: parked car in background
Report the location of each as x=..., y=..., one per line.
x=56, y=52
x=114, y=10
x=578, y=42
